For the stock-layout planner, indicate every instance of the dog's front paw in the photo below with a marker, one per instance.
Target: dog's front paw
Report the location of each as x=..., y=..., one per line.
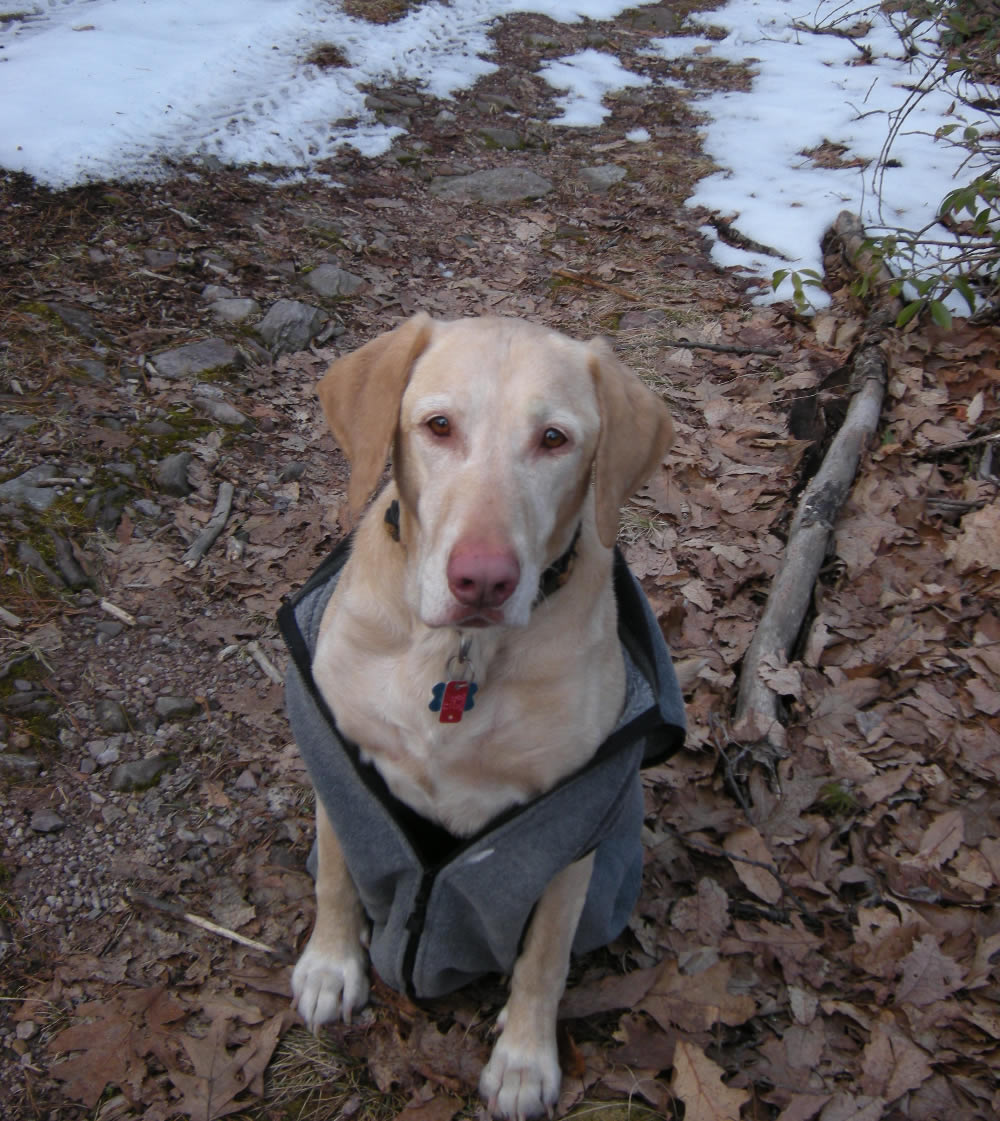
x=328, y=986
x=520, y=1082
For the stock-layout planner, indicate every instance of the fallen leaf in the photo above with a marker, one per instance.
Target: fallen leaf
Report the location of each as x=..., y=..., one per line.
x=928, y=975
x=892, y=1064
x=697, y=1081
x=749, y=844
x=696, y=1002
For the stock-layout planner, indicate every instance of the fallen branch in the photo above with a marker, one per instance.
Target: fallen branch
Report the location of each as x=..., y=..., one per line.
x=724, y=348
x=811, y=529
x=583, y=278
x=216, y=523
x=960, y=445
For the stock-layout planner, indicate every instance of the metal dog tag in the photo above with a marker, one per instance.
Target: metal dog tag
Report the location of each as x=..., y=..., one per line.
x=452, y=699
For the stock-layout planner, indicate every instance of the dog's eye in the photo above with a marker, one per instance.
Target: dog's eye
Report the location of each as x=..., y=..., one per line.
x=553, y=438
x=440, y=426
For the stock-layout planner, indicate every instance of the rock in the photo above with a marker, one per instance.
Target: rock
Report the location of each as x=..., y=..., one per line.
x=159, y=427
x=502, y=138
x=290, y=325
x=171, y=474
x=221, y=411
x=230, y=310
x=12, y=423
x=331, y=280
x=19, y=766
x=176, y=708
x=603, y=176
x=24, y=489
x=74, y=317
x=30, y=556
x=502, y=184
x=159, y=258
x=540, y=41
x=147, y=507
x=246, y=781
x=192, y=359
x=47, y=821
x=291, y=472
x=141, y=773
x=495, y=103
x=216, y=292
x=109, y=628
x=70, y=569
x=96, y=371
x=110, y=715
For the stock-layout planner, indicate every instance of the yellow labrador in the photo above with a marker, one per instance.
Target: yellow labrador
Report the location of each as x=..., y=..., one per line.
x=470, y=648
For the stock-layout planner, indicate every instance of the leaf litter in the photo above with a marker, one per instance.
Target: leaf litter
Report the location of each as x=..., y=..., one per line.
x=818, y=934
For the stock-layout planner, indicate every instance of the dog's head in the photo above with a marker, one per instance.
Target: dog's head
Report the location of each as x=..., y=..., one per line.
x=500, y=432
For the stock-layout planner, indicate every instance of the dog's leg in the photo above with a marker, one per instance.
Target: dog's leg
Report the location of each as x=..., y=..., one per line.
x=330, y=980
x=522, y=1077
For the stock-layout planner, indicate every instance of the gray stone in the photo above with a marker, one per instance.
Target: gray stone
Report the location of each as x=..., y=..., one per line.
x=110, y=715
x=221, y=411
x=96, y=371
x=24, y=489
x=74, y=317
x=159, y=258
x=495, y=103
x=11, y=423
x=603, y=176
x=291, y=471
x=141, y=773
x=502, y=184
x=193, y=359
x=171, y=474
x=28, y=555
x=331, y=280
x=231, y=310
x=540, y=41
x=502, y=138
x=19, y=766
x=147, y=507
x=216, y=292
x=290, y=325
x=126, y=470
x=47, y=821
x=176, y=708
x=159, y=427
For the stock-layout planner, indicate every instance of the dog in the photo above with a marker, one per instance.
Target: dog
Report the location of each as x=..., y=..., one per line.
x=469, y=656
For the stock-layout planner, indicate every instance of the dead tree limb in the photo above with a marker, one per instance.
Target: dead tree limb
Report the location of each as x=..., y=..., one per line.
x=811, y=529
x=215, y=525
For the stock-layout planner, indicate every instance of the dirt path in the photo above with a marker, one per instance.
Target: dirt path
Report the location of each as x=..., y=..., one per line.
x=827, y=926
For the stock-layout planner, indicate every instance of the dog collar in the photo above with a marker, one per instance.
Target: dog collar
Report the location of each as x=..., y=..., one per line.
x=552, y=579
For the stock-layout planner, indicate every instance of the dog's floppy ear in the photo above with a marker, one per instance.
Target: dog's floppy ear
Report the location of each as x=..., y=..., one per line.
x=361, y=393
x=636, y=433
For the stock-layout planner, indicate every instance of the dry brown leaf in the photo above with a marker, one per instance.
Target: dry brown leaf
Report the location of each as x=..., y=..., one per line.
x=694, y=1003
x=892, y=1064
x=978, y=545
x=697, y=1081
x=853, y=1107
x=928, y=975
x=748, y=843
x=941, y=839
x=221, y=1074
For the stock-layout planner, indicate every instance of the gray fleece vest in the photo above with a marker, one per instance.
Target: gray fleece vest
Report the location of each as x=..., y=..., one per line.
x=445, y=910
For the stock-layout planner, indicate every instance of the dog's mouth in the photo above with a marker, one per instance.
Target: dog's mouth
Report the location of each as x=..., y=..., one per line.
x=479, y=619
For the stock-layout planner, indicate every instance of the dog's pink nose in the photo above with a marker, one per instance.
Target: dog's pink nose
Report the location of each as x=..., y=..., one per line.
x=482, y=576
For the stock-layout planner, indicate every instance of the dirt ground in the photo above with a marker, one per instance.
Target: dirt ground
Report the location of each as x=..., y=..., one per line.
x=818, y=928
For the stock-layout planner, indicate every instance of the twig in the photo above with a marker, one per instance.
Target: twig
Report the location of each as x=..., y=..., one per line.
x=119, y=613
x=723, y=348
x=196, y=920
x=265, y=663
x=791, y=592
x=220, y=515
x=944, y=449
x=583, y=278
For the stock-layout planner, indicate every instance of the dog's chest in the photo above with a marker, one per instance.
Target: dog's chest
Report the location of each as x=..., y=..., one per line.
x=519, y=738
